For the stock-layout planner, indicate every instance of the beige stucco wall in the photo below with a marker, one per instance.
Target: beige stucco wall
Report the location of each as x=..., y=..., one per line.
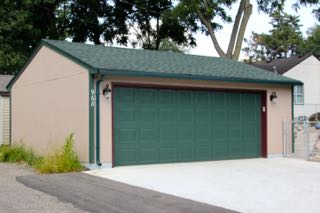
x=275, y=115
x=49, y=101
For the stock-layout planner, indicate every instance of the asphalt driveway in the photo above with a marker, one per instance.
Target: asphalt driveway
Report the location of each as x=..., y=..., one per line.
x=95, y=194
x=255, y=185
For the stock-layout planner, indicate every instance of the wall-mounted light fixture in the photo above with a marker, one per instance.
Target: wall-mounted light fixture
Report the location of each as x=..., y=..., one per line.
x=273, y=97
x=106, y=91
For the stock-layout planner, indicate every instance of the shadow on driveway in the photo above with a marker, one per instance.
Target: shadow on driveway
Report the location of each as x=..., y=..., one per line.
x=96, y=194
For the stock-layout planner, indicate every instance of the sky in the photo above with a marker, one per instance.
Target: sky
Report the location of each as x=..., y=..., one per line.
x=258, y=22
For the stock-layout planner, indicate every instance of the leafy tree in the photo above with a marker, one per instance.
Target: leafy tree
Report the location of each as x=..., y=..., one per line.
x=98, y=21
x=169, y=45
x=284, y=39
x=312, y=43
x=22, y=25
x=153, y=21
x=205, y=16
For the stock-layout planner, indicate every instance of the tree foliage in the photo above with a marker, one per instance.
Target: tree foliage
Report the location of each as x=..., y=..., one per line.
x=283, y=40
x=150, y=24
x=206, y=16
x=22, y=25
x=153, y=21
x=312, y=43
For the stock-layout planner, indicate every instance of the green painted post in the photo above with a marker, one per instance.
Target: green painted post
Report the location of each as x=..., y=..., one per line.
x=91, y=118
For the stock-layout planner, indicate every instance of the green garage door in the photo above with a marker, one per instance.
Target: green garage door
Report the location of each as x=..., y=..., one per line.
x=173, y=125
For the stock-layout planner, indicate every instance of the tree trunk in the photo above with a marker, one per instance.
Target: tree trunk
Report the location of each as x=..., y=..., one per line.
x=238, y=30
x=235, y=29
x=207, y=24
x=158, y=39
x=246, y=15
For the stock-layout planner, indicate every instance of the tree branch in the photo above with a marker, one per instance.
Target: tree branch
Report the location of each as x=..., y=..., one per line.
x=235, y=29
x=246, y=15
x=207, y=23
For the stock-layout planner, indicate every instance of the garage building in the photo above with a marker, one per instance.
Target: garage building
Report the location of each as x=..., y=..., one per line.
x=130, y=107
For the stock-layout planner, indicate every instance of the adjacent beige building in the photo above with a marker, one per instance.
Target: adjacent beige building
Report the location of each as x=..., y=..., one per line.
x=129, y=107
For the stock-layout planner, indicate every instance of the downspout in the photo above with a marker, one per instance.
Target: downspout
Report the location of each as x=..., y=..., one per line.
x=98, y=120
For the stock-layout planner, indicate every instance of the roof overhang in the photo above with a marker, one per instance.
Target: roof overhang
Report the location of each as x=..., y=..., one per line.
x=191, y=77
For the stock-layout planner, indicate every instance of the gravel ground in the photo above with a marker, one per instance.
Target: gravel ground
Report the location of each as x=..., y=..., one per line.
x=15, y=197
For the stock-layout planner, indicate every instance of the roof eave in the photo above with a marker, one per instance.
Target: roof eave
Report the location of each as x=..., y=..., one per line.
x=116, y=72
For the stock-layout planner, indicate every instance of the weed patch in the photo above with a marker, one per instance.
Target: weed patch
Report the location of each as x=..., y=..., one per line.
x=64, y=160
x=61, y=161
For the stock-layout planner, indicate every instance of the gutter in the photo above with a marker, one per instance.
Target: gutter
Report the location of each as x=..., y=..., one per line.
x=132, y=73
x=98, y=120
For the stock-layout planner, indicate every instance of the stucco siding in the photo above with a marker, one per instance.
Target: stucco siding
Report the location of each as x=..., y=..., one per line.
x=276, y=113
x=49, y=101
x=308, y=71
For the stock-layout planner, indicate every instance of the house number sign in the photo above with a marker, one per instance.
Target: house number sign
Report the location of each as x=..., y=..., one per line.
x=92, y=97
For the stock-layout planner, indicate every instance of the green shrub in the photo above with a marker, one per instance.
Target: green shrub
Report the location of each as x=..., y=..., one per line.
x=64, y=160
x=18, y=154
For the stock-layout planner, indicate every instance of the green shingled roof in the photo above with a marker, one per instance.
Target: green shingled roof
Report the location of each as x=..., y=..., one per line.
x=133, y=62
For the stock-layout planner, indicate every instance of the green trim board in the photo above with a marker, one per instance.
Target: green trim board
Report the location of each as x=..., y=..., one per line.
x=91, y=118
x=97, y=127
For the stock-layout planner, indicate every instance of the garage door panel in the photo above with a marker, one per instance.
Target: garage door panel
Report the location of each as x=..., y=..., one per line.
x=203, y=152
x=219, y=151
x=168, y=155
x=250, y=116
x=183, y=97
x=235, y=133
x=185, y=114
x=127, y=135
x=148, y=155
x=234, y=100
x=220, y=132
x=166, y=97
x=203, y=115
x=167, y=125
x=235, y=115
x=203, y=135
x=127, y=157
x=202, y=98
x=145, y=114
x=167, y=134
x=145, y=96
x=220, y=115
x=185, y=135
x=219, y=99
x=126, y=115
x=166, y=115
x=186, y=153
